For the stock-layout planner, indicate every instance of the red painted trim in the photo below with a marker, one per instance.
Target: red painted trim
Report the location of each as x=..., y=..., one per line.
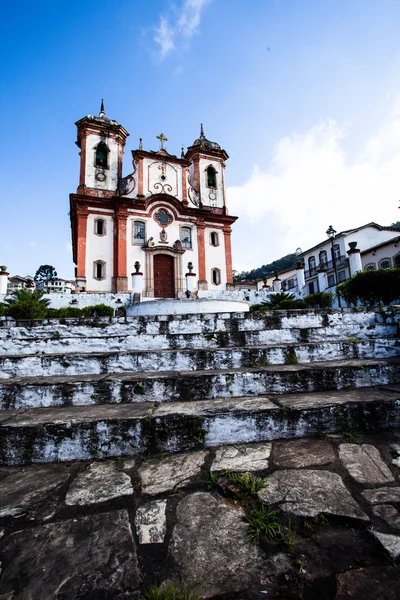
x=81, y=244
x=228, y=254
x=201, y=251
x=83, y=159
x=120, y=231
x=140, y=177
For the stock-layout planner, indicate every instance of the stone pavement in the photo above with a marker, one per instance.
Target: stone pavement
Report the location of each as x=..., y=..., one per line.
x=110, y=529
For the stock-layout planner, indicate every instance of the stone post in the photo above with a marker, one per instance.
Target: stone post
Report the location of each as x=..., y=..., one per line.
x=355, y=264
x=301, y=282
x=322, y=283
x=190, y=281
x=276, y=284
x=137, y=284
x=3, y=280
x=30, y=286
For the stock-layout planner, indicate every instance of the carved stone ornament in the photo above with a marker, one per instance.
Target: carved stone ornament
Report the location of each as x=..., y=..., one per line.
x=100, y=175
x=163, y=236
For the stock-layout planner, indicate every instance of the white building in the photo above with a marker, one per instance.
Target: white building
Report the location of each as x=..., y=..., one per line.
x=56, y=285
x=329, y=257
x=170, y=211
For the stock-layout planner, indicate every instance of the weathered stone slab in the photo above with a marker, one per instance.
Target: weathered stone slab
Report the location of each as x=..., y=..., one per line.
x=242, y=458
x=100, y=482
x=388, y=513
x=391, y=543
x=209, y=546
x=364, y=463
x=26, y=487
x=369, y=584
x=163, y=475
x=309, y=493
x=303, y=453
x=91, y=556
x=383, y=495
x=151, y=522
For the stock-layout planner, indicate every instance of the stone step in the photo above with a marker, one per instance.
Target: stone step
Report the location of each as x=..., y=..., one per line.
x=193, y=359
x=115, y=338
x=82, y=432
x=33, y=392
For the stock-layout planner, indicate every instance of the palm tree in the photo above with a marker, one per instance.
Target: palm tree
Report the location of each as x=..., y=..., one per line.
x=24, y=304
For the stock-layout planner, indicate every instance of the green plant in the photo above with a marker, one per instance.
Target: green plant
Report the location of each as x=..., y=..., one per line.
x=98, y=310
x=381, y=286
x=2, y=309
x=350, y=435
x=211, y=480
x=319, y=300
x=24, y=304
x=138, y=389
x=172, y=590
x=291, y=357
x=248, y=484
x=263, y=520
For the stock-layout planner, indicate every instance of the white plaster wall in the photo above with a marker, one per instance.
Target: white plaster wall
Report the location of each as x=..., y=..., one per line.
x=204, y=189
x=369, y=236
x=111, y=180
x=215, y=258
x=152, y=184
x=389, y=251
x=99, y=248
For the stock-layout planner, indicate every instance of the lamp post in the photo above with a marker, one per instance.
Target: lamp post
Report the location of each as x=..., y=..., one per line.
x=330, y=232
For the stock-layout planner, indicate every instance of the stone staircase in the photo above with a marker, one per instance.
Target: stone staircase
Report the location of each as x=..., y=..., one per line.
x=111, y=387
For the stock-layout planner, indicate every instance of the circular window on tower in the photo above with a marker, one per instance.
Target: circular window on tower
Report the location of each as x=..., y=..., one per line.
x=163, y=217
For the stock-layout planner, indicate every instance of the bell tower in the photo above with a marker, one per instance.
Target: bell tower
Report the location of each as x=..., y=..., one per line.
x=101, y=141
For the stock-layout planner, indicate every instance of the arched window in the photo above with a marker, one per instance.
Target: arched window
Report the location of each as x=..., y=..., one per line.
x=216, y=276
x=311, y=266
x=211, y=177
x=323, y=257
x=138, y=232
x=100, y=227
x=214, y=241
x=370, y=267
x=186, y=237
x=336, y=251
x=99, y=269
x=102, y=155
x=385, y=263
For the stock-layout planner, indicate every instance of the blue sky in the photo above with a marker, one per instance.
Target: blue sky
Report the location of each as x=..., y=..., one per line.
x=304, y=95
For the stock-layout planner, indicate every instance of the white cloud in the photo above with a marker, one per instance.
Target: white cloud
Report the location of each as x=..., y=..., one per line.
x=32, y=244
x=183, y=24
x=311, y=183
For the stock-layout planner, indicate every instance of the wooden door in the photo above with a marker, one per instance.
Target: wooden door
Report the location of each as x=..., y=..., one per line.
x=164, y=276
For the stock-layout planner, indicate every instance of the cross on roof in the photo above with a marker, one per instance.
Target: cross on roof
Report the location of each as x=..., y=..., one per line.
x=162, y=139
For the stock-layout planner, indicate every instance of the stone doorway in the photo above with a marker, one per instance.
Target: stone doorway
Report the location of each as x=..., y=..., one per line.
x=164, y=286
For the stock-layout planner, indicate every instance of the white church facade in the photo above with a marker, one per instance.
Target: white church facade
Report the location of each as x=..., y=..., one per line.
x=170, y=211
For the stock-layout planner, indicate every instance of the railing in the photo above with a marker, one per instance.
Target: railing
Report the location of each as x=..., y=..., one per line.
x=329, y=266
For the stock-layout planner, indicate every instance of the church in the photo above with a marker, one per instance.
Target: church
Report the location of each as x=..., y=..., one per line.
x=168, y=213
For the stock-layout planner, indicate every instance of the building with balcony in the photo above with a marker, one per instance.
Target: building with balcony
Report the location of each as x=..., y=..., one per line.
x=328, y=260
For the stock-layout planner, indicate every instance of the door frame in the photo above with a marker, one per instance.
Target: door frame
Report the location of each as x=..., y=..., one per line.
x=176, y=253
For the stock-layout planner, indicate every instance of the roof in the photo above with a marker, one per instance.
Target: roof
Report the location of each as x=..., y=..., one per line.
x=347, y=231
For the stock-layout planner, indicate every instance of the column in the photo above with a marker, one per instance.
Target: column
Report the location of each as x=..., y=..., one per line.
x=120, y=279
x=81, y=233
x=228, y=256
x=355, y=264
x=3, y=280
x=202, y=256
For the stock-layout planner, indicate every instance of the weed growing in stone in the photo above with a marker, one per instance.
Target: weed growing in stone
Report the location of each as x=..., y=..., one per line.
x=139, y=389
x=211, y=480
x=349, y=435
x=172, y=590
x=291, y=357
x=248, y=484
x=263, y=520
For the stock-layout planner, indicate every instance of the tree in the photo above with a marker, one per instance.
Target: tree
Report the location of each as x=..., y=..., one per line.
x=24, y=304
x=45, y=272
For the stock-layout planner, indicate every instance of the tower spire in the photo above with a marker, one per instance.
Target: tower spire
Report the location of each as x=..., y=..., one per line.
x=102, y=108
x=201, y=130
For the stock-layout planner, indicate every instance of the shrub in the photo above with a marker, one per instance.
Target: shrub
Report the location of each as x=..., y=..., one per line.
x=319, y=300
x=371, y=287
x=24, y=304
x=98, y=310
x=64, y=313
x=279, y=301
x=2, y=309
